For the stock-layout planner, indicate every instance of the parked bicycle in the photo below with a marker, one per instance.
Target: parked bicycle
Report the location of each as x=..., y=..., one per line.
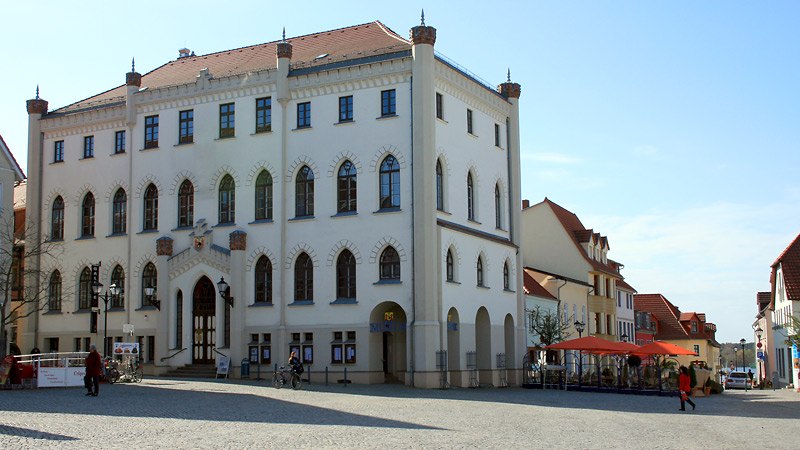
x=111, y=370
x=286, y=375
x=129, y=370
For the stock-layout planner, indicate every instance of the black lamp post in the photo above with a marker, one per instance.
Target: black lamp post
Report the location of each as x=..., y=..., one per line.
x=759, y=331
x=114, y=290
x=225, y=291
x=150, y=292
x=624, y=337
x=742, y=341
x=735, y=357
x=579, y=326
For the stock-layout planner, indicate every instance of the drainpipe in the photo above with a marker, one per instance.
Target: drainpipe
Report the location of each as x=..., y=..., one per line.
x=413, y=207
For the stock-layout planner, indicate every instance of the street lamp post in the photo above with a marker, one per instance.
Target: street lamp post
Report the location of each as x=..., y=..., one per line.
x=114, y=290
x=759, y=331
x=735, y=357
x=225, y=291
x=624, y=337
x=742, y=341
x=579, y=328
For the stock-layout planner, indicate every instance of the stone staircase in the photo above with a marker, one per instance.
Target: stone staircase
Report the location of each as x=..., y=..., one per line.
x=193, y=371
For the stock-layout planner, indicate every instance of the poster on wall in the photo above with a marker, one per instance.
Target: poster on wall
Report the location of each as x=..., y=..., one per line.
x=126, y=348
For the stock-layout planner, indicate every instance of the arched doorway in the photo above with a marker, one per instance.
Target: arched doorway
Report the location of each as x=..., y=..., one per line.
x=203, y=321
x=387, y=326
x=483, y=346
x=508, y=327
x=453, y=346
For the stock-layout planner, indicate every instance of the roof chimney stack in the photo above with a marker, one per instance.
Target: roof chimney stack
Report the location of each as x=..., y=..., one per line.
x=184, y=53
x=526, y=203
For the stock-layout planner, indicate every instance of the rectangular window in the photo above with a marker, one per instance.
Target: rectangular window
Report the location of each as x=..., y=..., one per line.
x=119, y=142
x=77, y=344
x=151, y=349
x=694, y=326
x=53, y=345
x=388, y=103
x=266, y=348
x=697, y=349
x=497, y=135
x=151, y=132
x=439, y=106
x=343, y=351
x=307, y=357
x=304, y=115
x=346, y=109
x=88, y=146
x=58, y=151
x=263, y=114
x=350, y=348
x=186, y=127
x=227, y=123
x=469, y=121
x=337, y=350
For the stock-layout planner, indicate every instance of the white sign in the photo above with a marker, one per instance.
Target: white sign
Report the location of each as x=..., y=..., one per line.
x=60, y=376
x=126, y=348
x=127, y=328
x=223, y=365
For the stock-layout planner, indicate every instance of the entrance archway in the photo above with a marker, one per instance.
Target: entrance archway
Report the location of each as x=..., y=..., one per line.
x=483, y=346
x=203, y=321
x=508, y=326
x=453, y=344
x=387, y=326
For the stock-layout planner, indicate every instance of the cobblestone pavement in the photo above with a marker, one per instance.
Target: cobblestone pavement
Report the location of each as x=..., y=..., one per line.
x=172, y=413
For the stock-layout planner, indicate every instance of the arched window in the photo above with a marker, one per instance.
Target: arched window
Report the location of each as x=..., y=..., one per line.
x=263, y=282
x=497, y=210
x=390, y=264
x=57, y=219
x=450, y=267
x=85, y=289
x=479, y=271
x=186, y=204
x=346, y=201
x=149, y=279
x=118, y=278
x=87, y=216
x=346, y=275
x=303, y=278
x=120, y=212
x=439, y=186
x=54, y=292
x=150, y=208
x=506, y=279
x=264, y=196
x=390, y=183
x=470, y=197
x=304, y=192
x=227, y=200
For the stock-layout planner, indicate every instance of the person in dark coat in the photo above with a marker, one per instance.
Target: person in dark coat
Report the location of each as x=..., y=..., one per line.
x=685, y=388
x=94, y=367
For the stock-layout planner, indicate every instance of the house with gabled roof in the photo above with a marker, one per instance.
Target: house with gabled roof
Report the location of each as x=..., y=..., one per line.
x=785, y=304
x=690, y=330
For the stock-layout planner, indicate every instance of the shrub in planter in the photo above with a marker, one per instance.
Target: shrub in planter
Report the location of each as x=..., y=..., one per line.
x=692, y=376
x=716, y=388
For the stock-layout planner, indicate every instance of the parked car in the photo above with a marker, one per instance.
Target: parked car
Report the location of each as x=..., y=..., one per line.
x=736, y=380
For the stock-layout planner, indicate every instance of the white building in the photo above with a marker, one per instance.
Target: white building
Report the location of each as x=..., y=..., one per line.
x=626, y=329
x=785, y=279
x=10, y=176
x=358, y=193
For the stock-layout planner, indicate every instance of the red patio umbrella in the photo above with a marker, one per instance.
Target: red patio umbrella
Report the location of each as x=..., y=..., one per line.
x=662, y=348
x=591, y=344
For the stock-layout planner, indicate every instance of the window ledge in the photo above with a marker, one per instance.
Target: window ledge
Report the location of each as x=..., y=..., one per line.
x=85, y=238
x=224, y=225
x=182, y=144
x=86, y=157
x=147, y=232
x=224, y=138
x=186, y=228
x=261, y=305
x=52, y=313
x=444, y=212
x=82, y=311
x=260, y=221
x=307, y=127
x=54, y=240
x=472, y=135
x=57, y=162
x=261, y=132
x=509, y=291
x=388, y=116
x=345, y=214
x=116, y=235
x=383, y=282
x=148, y=149
x=474, y=221
x=344, y=301
x=301, y=303
x=394, y=209
x=442, y=120
x=453, y=282
x=302, y=218
x=344, y=122
x=116, y=309
x=497, y=147
x=482, y=287
x=500, y=229
x=146, y=308
x=117, y=153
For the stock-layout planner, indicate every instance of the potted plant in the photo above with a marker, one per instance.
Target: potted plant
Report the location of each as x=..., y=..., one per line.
x=707, y=388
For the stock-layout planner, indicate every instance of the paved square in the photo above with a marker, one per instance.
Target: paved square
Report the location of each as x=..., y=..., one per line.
x=172, y=413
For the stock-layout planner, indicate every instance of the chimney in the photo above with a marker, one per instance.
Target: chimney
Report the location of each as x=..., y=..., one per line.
x=184, y=53
x=526, y=203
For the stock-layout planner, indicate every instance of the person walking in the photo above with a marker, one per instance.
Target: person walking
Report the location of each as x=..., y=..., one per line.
x=94, y=367
x=685, y=388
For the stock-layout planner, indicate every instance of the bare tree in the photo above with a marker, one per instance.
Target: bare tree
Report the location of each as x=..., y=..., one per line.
x=21, y=295
x=547, y=325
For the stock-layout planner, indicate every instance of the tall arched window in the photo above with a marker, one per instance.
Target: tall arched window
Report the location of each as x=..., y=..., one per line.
x=149, y=279
x=479, y=271
x=439, y=186
x=85, y=289
x=118, y=278
x=303, y=278
x=390, y=183
x=57, y=219
x=87, y=215
x=227, y=200
x=264, y=196
x=54, y=292
x=497, y=210
x=390, y=264
x=450, y=266
x=346, y=275
x=304, y=192
x=186, y=204
x=470, y=197
x=263, y=281
x=120, y=212
x=150, y=208
x=346, y=189
x=506, y=279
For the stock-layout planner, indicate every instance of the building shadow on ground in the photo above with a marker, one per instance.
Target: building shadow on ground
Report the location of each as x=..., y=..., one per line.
x=9, y=430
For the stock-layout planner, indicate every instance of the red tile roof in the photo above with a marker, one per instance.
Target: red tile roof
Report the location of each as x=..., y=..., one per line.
x=789, y=261
x=532, y=287
x=763, y=299
x=622, y=284
x=577, y=232
x=354, y=42
x=665, y=313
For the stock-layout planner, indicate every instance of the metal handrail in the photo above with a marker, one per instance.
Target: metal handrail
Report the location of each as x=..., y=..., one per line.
x=218, y=352
x=173, y=355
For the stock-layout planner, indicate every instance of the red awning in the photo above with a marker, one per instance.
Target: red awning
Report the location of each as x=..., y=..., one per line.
x=662, y=348
x=592, y=344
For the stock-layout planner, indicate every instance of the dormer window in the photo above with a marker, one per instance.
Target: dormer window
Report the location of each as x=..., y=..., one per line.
x=694, y=326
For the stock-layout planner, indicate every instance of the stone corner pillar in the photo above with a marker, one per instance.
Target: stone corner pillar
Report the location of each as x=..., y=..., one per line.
x=164, y=333
x=238, y=246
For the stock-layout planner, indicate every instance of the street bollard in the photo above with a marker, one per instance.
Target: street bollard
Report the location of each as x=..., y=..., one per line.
x=326, y=375
x=309, y=374
x=345, y=377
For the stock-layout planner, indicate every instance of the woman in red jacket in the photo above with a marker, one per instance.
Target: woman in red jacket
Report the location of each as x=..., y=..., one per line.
x=94, y=367
x=685, y=388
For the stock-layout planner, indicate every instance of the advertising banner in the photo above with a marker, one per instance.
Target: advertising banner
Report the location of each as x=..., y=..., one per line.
x=126, y=348
x=60, y=376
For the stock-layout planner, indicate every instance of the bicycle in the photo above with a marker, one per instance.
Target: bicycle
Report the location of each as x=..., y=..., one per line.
x=130, y=371
x=286, y=375
x=110, y=370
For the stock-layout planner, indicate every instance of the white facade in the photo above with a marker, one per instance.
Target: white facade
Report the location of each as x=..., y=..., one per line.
x=625, y=315
x=784, y=357
x=393, y=326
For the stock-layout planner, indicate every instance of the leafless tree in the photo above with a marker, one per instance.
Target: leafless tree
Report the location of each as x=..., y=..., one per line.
x=547, y=325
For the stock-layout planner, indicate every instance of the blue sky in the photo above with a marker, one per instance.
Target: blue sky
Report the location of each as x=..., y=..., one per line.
x=671, y=127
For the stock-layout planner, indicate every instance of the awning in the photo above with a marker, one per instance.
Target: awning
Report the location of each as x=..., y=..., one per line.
x=592, y=344
x=662, y=348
